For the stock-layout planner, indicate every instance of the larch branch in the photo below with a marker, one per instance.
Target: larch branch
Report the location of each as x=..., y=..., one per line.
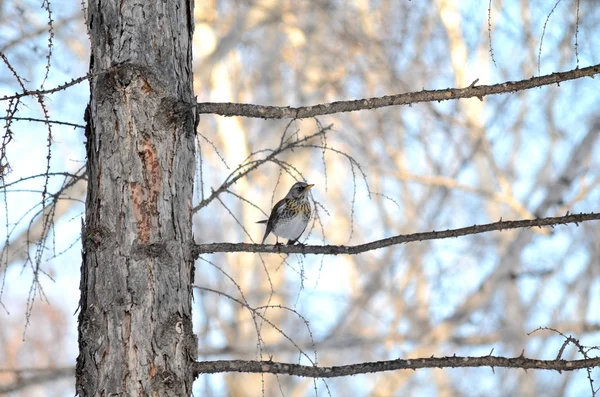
x=283, y=112
x=472, y=91
x=44, y=121
x=211, y=367
x=199, y=249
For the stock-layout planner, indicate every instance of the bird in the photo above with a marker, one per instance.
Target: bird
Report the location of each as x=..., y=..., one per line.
x=290, y=216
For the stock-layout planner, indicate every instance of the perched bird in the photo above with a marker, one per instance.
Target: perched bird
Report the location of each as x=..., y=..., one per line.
x=290, y=215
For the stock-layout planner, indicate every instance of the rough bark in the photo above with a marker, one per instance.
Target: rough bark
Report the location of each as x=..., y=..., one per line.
x=135, y=329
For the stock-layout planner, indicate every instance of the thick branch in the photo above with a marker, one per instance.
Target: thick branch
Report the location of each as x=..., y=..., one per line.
x=357, y=249
x=211, y=367
x=472, y=91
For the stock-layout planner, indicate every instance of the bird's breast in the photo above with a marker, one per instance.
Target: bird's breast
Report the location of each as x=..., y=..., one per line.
x=291, y=227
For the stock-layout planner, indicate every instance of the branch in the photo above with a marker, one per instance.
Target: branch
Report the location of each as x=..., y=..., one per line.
x=18, y=248
x=44, y=121
x=30, y=377
x=357, y=249
x=61, y=87
x=237, y=174
x=211, y=367
x=472, y=91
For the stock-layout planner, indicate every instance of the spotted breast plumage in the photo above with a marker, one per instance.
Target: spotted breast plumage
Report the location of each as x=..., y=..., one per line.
x=290, y=215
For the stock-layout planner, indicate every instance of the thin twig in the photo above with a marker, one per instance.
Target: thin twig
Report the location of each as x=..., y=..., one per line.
x=44, y=121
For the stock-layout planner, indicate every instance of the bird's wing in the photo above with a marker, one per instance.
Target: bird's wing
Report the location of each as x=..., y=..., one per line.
x=272, y=217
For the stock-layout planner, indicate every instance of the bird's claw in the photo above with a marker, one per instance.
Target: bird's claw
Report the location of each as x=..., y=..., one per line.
x=278, y=246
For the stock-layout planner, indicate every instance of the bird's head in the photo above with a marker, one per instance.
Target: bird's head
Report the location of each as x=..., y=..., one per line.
x=299, y=190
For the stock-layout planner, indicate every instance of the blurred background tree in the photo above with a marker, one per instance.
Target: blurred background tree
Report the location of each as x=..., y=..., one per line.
x=429, y=166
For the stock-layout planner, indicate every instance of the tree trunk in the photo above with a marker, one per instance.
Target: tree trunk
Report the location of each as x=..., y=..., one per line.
x=135, y=328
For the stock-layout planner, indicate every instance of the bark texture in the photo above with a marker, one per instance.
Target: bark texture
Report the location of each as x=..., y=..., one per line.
x=135, y=329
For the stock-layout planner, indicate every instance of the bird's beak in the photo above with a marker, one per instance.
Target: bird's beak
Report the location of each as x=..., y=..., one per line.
x=309, y=187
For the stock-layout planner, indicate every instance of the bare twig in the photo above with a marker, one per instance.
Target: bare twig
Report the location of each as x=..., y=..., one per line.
x=544, y=32
x=489, y=22
x=577, y=35
x=251, y=165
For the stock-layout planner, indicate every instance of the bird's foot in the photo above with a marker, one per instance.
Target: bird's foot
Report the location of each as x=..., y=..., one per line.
x=278, y=245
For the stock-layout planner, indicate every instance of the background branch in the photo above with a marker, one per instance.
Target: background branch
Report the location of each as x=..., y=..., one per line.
x=24, y=378
x=250, y=165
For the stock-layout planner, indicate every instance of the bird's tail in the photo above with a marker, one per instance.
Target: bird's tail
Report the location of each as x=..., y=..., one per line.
x=266, y=231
